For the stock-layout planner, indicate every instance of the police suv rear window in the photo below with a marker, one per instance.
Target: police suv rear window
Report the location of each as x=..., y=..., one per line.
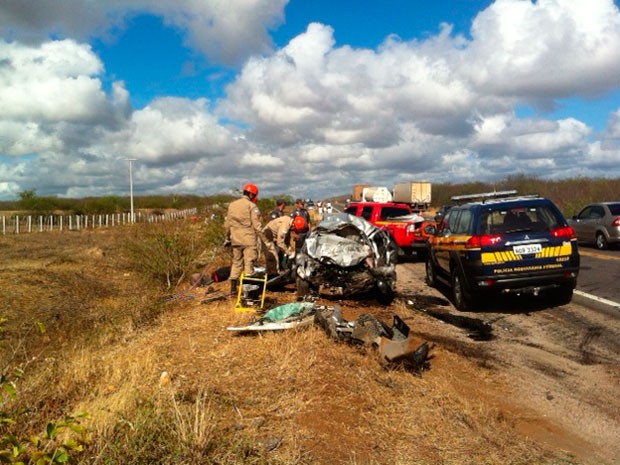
x=502, y=220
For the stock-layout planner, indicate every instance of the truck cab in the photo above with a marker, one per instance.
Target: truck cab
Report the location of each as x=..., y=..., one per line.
x=395, y=218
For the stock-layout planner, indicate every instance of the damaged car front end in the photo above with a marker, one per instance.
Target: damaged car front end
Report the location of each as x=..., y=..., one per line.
x=346, y=255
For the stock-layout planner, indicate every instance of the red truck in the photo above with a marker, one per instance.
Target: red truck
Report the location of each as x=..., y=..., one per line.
x=404, y=226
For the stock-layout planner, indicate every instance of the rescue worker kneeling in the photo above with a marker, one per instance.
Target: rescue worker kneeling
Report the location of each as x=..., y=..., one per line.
x=278, y=234
x=277, y=244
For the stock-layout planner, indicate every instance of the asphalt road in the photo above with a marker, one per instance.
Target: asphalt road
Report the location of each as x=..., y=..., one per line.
x=599, y=275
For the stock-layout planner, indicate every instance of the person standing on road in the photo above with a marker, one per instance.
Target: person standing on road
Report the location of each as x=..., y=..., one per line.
x=279, y=210
x=243, y=230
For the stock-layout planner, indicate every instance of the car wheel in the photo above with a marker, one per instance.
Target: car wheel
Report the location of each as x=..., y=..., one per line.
x=461, y=299
x=601, y=241
x=431, y=277
x=385, y=293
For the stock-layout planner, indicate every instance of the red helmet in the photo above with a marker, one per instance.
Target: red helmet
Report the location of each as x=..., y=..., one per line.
x=251, y=188
x=299, y=223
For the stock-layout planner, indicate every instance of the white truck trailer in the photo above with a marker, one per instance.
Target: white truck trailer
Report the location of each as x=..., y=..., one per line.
x=415, y=193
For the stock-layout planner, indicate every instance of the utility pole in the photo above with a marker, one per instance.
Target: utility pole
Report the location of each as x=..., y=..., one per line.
x=132, y=216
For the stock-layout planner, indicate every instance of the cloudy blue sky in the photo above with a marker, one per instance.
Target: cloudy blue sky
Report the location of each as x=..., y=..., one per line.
x=303, y=97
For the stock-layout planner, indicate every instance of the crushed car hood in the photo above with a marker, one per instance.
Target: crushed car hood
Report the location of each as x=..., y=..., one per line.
x=347, y=252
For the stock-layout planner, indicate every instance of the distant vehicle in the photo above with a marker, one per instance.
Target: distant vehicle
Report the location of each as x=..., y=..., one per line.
x=345, y=255
x=416, y=194
x=376, y=194
x=397, y=219
x=503, y=244
x=598, y=224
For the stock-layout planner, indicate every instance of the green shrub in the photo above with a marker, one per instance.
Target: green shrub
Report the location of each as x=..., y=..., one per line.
x=168, y=251
x=30, y=202
x=163, y=251
x=104, y=205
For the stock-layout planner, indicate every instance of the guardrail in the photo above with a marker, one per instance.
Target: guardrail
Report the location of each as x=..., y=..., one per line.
x=17, y=224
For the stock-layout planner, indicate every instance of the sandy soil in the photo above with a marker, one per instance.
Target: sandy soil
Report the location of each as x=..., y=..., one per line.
x=562, y=363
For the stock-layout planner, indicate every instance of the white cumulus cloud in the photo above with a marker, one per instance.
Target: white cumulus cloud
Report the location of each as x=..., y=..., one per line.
x=312, y=115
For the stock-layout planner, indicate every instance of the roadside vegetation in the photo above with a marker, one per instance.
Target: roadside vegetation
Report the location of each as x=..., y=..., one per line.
x=99, y=365
x=122, y=375
x=570, y=195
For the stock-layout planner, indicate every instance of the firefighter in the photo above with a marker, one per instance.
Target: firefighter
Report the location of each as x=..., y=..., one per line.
x=299, y=230
x=243, y=231
x=277, y=234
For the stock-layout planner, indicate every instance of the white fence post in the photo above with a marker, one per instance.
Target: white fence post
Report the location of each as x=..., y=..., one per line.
x=82, y=221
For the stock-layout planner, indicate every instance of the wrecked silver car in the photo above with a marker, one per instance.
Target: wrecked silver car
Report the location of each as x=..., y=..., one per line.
x=346, y=255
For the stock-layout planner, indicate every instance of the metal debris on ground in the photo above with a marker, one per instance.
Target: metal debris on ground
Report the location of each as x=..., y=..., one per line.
x=394, y=345
x=396, y=348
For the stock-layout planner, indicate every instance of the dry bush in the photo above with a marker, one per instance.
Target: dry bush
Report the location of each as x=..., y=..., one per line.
x=162, y=251
x=169, y=252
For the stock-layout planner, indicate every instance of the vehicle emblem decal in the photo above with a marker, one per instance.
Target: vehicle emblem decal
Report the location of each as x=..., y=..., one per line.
x=527, y=238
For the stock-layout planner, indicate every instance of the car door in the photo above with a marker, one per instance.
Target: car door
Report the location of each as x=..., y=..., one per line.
x=587, y=222
x=444, y=242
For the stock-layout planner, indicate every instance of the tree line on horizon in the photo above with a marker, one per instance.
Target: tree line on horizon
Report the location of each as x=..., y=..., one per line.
x=570, y=195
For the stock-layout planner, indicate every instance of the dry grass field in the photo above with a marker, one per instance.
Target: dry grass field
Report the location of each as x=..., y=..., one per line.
x=164, y=382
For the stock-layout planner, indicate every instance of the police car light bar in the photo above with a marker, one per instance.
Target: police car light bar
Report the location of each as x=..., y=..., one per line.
x=484, y=195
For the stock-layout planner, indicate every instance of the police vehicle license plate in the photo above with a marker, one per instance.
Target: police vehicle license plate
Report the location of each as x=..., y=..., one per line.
x=526, y=249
